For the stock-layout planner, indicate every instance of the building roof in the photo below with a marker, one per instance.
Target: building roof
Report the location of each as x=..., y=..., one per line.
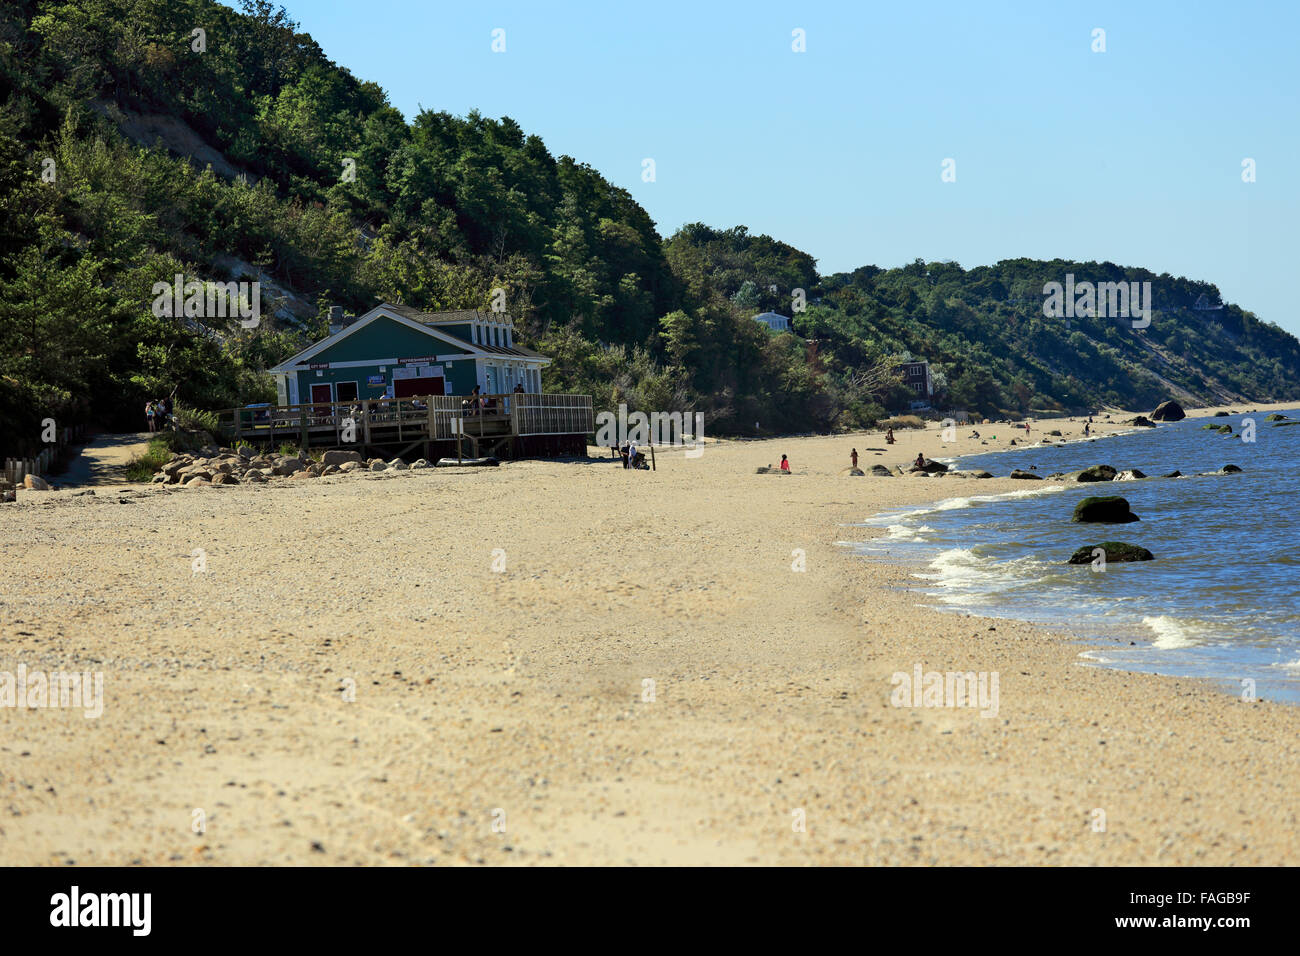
x=410, y=317
x=452, y=317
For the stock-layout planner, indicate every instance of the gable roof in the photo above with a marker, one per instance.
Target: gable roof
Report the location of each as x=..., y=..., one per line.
x=451, y=317
x=405, y=315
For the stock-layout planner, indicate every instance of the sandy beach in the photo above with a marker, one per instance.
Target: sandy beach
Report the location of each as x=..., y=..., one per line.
x=644, y=678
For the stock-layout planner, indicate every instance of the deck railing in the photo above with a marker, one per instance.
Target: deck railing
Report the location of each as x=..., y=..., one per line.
x=437, y=417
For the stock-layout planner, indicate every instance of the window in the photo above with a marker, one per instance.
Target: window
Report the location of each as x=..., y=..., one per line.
x=346, y=391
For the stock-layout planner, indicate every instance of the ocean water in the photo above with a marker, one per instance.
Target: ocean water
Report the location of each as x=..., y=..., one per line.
x=1221, y=600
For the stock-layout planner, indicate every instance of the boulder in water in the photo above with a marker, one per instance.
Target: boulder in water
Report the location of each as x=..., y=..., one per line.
x=1105, y=509
x=1096, y=473
x=1019, y=473
x=1114, y=550
x=1142, y=422
x=1129, y=474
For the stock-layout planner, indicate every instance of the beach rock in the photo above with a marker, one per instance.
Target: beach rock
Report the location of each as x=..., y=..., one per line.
x=329, y=470
x=852, y=473
x=159, y=479
x=1289, y=421
x=420, y=463
x=338, y=457
x=1107, y=509
x=35, y=483
x=1221, y=414
x=1275, y=417
x=245, y=452
x=287, y=467
x=1130, y=474
x=1169, y=411
x=254, y=477
x=931, y=468
x=350, y=466
x=1019, y=473
x=397, y=465
x=224, y=478
x=1229, y=470
x=1056, y=432
x=967, y=473
x=1115, y=551
x=1173, y=474
x=1013, y=441
x=881, y=471
x=8, y=497
x=379, y=466
x=196, y=481
x=1142, y=422
x=1095, y=473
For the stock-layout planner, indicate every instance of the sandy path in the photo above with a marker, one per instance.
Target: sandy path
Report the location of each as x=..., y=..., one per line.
x=519, y=696
x=101, y=461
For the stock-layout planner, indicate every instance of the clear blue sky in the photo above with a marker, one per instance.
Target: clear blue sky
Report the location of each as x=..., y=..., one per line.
x=1132, y=155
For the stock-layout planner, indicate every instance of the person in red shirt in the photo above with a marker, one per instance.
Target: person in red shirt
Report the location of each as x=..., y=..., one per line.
x=854, y=457
x=785, y=463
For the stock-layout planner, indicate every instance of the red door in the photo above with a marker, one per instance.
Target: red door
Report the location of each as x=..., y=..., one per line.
x=321, y=393
x=405, y=387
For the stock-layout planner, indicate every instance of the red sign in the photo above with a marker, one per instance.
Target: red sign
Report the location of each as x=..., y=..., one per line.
x=319, y=365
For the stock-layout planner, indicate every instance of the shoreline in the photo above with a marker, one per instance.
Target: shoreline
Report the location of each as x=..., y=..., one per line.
x=1102, y=641
x=525, y=690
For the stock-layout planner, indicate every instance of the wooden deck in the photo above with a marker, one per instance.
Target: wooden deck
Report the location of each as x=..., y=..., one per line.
x=511, y=425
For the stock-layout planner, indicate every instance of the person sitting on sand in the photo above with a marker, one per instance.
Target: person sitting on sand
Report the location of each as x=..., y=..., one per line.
x=785, y=463
x=889, y=437
x=853, y=457
x=974, y=434
x=631, y=453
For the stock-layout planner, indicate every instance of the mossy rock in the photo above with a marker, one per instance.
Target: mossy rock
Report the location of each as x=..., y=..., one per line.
x=1276, y=417
x=1104, y=509
x=1115, y=551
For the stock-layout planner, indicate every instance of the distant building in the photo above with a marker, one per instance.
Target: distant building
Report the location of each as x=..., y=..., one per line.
x=916, y=376
x=774, y=321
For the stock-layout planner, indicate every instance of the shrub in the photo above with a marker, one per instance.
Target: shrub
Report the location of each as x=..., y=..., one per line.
x=902, y=421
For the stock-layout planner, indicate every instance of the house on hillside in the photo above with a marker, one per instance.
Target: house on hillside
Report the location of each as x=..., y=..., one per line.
x=916, y=376
x=396, y=351
x=774, y=321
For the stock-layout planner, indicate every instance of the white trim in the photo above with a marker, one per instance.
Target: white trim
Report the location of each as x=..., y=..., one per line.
x=291, y=364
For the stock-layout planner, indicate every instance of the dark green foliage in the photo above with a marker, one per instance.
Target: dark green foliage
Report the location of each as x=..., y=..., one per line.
x=259, y=158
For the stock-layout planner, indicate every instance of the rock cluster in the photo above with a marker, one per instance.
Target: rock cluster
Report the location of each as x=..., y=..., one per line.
x=229, y=466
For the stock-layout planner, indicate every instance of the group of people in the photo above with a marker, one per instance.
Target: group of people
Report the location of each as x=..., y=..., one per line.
x=158, y=413
x=632, y=457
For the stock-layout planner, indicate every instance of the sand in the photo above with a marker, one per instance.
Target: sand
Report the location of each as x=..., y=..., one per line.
x=504, y=717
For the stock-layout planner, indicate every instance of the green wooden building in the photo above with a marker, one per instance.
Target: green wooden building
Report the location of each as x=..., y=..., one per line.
x=395, y=351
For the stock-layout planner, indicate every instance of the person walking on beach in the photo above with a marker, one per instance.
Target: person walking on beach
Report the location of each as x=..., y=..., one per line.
x=889, y=437
x=785, y=463
x=1085, y=429
x=853, y=457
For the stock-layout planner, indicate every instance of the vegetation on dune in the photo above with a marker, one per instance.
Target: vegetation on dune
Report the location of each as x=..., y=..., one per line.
x=128, y=155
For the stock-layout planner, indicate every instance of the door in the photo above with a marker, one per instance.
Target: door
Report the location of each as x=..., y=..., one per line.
x=321, y=393
x=346, y=391
x=406, y=387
